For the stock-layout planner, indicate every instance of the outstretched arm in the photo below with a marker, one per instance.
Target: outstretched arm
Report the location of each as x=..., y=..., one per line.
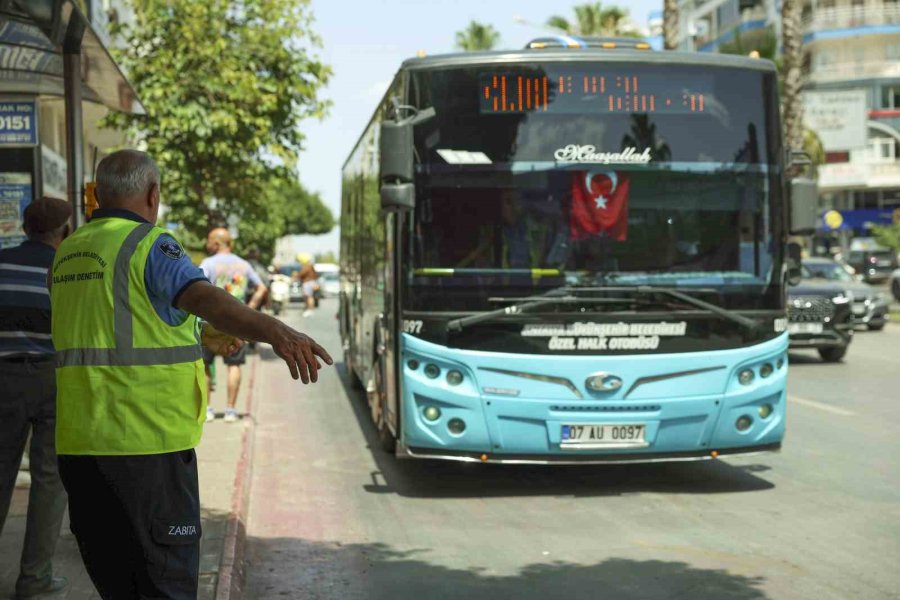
x=229, y=315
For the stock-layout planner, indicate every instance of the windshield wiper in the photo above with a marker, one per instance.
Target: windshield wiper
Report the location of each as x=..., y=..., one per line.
x=562, y=296
x=515, y=309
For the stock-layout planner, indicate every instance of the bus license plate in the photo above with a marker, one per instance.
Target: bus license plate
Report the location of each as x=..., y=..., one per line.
x=598, y=435
x=805, y=328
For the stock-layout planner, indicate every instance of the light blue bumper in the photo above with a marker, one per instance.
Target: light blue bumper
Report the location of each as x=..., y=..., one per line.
x=516, y=405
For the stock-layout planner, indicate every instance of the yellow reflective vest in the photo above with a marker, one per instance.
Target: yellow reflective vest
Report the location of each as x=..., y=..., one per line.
x=127, y=381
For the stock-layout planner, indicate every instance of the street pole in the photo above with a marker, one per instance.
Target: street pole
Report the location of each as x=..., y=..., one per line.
x=74, y=128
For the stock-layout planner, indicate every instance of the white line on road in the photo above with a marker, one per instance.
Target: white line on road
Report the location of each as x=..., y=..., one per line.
x=821, y=406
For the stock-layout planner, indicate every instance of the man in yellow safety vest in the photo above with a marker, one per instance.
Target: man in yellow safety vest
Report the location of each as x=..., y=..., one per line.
x=131, y=397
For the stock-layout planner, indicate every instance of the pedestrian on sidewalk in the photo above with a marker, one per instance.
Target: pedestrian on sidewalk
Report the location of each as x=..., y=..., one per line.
x=228, y=271
x=28, y=401
x=309, y=281
x=131, y=397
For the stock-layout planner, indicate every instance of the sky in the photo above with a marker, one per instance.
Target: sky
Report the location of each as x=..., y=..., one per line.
x=365, y=42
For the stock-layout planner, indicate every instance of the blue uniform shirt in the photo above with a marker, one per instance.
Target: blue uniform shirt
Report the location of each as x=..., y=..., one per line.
x=24, y=300
x=168, y=271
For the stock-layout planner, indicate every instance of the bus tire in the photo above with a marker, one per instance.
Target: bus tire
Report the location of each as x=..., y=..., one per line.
x=386, y=439
x=355, y=382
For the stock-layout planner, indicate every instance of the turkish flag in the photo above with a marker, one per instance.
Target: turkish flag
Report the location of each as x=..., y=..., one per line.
x=599, y=205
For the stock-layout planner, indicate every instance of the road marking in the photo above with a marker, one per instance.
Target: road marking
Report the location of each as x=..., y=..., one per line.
x=821, y=406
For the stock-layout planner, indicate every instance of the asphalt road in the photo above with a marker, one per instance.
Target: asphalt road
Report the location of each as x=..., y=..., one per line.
x=333, y=517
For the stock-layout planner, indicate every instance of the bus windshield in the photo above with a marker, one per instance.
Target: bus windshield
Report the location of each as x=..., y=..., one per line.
x=595, y=174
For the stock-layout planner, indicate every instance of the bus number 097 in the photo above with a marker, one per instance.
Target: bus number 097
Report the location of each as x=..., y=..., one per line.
x=412, y=326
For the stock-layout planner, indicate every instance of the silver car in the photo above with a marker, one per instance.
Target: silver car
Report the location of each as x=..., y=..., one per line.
x=870, y=306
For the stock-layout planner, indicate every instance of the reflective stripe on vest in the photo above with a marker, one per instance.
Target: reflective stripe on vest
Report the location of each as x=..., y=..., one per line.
x=125, y=354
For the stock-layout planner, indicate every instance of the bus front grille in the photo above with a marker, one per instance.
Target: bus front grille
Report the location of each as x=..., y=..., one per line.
x=635, y=408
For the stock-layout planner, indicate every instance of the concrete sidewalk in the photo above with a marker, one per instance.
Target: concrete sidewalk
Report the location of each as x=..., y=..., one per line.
x=221, y=451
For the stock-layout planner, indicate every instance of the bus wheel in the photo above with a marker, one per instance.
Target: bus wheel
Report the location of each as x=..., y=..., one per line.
x=378, y=407
x=355, y=382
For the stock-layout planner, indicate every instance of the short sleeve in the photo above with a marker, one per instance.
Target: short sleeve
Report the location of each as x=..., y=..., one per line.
x=253, y=276
x=168, y=272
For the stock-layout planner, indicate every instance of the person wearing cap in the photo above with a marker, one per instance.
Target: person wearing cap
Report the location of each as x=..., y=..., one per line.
x=131, y=390
x=28, y=401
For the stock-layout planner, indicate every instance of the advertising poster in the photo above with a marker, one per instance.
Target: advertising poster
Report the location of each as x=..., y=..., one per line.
x=838, y=117
x=15, y=195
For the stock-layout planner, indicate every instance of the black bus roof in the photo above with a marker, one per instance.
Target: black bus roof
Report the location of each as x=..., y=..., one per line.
x=705, y=59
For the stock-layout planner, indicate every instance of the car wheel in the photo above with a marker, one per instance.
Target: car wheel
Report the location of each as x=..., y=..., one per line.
x=877, y=327
x=833, y=354
x=895, y=289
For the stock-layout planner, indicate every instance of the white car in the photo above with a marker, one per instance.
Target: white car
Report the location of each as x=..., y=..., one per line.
x=329, y=279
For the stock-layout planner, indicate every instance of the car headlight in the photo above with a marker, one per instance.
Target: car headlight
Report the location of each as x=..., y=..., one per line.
x=843, y=298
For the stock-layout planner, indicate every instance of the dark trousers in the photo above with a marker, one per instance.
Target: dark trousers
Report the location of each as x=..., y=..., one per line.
x=28, y=403
x=137, y=522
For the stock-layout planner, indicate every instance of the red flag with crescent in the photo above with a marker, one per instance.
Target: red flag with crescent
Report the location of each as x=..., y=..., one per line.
x=599, y=205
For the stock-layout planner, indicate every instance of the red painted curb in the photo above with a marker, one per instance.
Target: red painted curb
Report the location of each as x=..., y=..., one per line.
x=230, y=583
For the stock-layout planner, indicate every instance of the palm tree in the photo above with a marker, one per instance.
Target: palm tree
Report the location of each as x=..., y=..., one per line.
x=643, y=135
x=477, y=36
x=670, y=24
x=792, y=109
x=594, y=19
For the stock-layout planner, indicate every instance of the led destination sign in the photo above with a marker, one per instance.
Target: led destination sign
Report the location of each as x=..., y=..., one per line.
x=600, y=90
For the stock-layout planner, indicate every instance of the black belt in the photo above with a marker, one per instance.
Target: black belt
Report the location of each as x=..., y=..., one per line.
x=27, y=358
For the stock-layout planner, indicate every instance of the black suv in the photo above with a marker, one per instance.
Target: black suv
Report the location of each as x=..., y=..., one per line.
x=820, y=317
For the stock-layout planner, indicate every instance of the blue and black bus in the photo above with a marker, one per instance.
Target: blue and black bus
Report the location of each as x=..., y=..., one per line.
x=576, y=252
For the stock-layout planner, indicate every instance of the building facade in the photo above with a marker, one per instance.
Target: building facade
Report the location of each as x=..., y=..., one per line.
x=57, y=83
x=851, y=94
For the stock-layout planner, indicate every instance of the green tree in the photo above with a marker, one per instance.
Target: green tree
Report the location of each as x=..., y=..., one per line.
x=226, y=85
x=477, y=36
x=593, y=20
x=887, y=235
x=285, y=208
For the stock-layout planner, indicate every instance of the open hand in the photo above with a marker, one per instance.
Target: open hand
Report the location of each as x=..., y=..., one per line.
x=300, y=352
x=218, y=342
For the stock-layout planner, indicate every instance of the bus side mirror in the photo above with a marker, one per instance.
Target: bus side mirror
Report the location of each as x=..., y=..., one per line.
x=794, y=262
x=395, y=147
x=804, y=206
x=398, y=197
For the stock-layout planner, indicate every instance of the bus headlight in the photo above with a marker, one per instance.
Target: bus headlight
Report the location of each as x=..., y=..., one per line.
x=743, y=423
x=432, y=371
x=432, y=413
x=765, y=370
x=456, y=426
x=765, y=410
x=454, y=377
x=746, y=376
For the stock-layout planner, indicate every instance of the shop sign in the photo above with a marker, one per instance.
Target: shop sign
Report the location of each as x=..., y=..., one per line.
x=837, y=117
x=18, y=123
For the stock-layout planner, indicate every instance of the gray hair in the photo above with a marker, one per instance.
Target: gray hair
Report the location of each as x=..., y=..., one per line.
x=125, y=174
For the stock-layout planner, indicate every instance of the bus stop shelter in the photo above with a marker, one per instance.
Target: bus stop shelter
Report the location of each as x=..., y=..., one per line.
x=51, y=49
